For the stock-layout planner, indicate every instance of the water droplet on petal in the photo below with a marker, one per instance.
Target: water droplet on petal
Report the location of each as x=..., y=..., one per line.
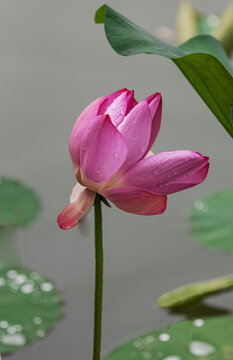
x=164, y=337
x=199, y=322
x=201, y=348
x=15, y=340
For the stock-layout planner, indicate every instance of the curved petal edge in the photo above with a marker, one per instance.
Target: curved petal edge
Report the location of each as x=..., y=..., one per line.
x=137, y=201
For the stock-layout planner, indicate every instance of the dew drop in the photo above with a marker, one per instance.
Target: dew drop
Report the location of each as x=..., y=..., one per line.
x=47, y=286
x=40, y=333
x=20, y=279
x=4, y=324
x=15, y=340
x=199, y=322
x=27, y=288
x=147, y=355
x=14, y=286
x=164, y=337
x=18, y=328
x=37, y=320
x=149, y=339
x=199, y=205
x=11, y=330
x=137, y=343
x=201, y=348
x=12, y=274
x=2, y=281
x=35, y=275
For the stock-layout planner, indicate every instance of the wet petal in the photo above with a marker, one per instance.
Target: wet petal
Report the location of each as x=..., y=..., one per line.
x=108, y=100
x=103, y=151
x=136, y=131
x=137, y=201
x=82, y=200
x=83, y=121
x=168, y=172
x=155, y=104
x=119, y=106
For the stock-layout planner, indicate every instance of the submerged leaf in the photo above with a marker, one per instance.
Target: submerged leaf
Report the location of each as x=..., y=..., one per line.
x=193, y=292
x=212, y=220
x=19, y=205
x=202, y=60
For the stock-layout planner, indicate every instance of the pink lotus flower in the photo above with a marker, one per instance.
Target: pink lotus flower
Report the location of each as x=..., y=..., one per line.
x=110, y=148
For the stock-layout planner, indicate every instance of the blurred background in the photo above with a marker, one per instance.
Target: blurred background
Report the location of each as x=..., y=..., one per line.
x=54, y=62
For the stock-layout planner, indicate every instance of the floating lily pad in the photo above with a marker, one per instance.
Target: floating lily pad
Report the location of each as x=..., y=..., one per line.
x=202, y=60
x=19, y=204
x=29, y=307
x=204, y=339
x=212, y=220
x=193, y=292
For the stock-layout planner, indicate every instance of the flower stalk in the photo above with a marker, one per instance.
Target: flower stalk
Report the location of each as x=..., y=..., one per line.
x=98, y=279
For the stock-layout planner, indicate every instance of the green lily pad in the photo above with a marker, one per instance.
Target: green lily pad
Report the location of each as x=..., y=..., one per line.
x=204, y=339
x=193, y=292
x=212, y=220
x=202, y=60
x=29, y=307
x=19, y=205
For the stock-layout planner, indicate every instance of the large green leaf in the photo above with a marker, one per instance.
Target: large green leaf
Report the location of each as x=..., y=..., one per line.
x=19, y=205
x=193, y=292
x=202, y=60
x=203, y=339
x=29, y=307
x=212, y=220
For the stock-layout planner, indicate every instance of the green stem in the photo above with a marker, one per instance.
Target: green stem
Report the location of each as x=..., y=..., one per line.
x=98, y=278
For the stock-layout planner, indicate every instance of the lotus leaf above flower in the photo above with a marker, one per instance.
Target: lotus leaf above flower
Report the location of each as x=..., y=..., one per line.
x=110, y=149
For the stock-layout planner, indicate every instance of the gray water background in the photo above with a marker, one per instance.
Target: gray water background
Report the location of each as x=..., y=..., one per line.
x=55, y=61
